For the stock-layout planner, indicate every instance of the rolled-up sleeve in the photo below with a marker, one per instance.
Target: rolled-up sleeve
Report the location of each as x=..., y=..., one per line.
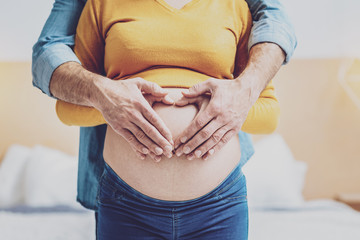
x=54, y=46
x=272, y=24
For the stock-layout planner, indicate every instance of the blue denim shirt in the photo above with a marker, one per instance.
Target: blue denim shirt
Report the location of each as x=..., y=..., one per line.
x=53, y=48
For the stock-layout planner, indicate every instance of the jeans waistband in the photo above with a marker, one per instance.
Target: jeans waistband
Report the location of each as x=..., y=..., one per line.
x=233, y=177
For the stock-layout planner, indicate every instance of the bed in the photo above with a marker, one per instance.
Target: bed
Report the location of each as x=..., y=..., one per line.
x=316, y=220
x=46, y=224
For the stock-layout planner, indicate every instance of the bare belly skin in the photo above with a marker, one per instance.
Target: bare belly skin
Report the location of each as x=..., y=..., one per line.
x=174, y=179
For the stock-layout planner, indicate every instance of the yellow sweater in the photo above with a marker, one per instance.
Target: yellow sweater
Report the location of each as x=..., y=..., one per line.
x=174, y=48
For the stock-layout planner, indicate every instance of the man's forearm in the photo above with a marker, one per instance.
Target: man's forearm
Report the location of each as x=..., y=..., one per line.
x=230, y=104
x=72, y=83
x=265, y=60
x=121, y=104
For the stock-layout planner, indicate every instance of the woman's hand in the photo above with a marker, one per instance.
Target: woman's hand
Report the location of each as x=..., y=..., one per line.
x=130, y=114
x=218, y=121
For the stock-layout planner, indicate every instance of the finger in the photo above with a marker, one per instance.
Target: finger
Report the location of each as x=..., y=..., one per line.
x=150, y=87
x=201, y=137
x=211, y=142
x=167, y=100
x=143, y=138
x=155, y=128
x=154, y=135
x=226, y=138
x=199, y=88
x=134, y=143
x=190, y=156
x=140, y=155
x=156, y=158
x=198, y=123
x=185, y=101
x=152, y=99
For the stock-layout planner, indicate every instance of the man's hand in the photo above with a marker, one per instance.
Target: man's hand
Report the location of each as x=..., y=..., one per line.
x=126, y=110
x=122, y=104
x=218, y=121
x=229, y=105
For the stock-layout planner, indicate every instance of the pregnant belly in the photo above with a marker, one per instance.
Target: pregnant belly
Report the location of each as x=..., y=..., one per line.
x=177, y=178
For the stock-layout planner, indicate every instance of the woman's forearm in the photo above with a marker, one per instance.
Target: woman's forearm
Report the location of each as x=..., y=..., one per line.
x=264, y=114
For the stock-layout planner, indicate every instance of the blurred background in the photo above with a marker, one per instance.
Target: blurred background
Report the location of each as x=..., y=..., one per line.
x=319, y=94
x=325, y=28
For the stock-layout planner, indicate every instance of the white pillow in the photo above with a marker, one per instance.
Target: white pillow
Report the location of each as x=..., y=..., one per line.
x=12, y=175
x=50, y=178
x=274, y=178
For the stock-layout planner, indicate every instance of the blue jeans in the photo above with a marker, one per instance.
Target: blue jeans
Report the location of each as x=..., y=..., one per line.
x=125, y=213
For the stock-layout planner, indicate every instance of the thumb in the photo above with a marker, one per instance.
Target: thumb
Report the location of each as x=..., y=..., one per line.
x=198, y=89
x=152, y=99
x=185, y=101
x=150, y=88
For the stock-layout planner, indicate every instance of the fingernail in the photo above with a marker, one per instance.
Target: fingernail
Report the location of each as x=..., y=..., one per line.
x=157, y=158
x=183, y=139
x=211, y=151
x=206, y=158
x=197, y=153
x=190, y=156
x=168, y=148
x=178, y=152
x=186, y=150
x=145, y=151
x=169, y=99
x=158, y=151
x=186, y=91
x=142, y=157
x=169, y=155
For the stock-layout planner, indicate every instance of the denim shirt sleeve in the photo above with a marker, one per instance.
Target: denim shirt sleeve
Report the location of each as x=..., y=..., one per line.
x=54, y=46
x=272, y=24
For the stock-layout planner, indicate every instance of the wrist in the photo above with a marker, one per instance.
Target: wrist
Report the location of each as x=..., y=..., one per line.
x=97, y=90
x=249, y=84
x=265, y=60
